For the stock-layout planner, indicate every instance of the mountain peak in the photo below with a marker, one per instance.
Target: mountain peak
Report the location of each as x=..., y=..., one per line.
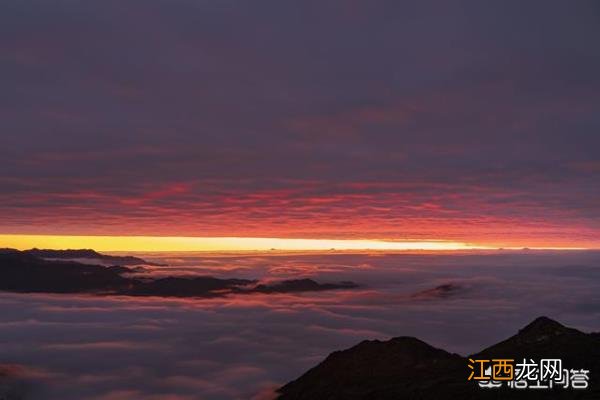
x=544, y=326
x=542, y=338
x=408, y=368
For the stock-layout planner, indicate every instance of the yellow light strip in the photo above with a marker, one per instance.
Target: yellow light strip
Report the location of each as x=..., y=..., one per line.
x=173, y=243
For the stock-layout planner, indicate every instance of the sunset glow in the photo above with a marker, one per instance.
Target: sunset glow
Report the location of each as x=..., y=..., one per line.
x=201, y=200
x=156, y=243
x=172, y=243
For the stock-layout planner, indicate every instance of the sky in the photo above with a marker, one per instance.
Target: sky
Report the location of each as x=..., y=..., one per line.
x=469, y=122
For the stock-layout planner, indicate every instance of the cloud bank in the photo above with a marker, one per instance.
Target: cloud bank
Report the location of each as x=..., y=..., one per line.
x=238, y=347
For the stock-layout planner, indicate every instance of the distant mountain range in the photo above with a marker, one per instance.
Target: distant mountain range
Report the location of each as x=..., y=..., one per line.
x=82, y=254
x=59, y=271
x=406, y=368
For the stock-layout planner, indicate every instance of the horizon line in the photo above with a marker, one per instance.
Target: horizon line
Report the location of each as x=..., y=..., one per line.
x=237, y=243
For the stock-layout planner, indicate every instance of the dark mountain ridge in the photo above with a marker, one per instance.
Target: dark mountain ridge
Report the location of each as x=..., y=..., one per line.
x=88, y=254
x=407, y=368
x=29, y=272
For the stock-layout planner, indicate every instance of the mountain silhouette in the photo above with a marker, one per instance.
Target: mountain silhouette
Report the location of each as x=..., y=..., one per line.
x=89, y=254
x=40, y=271
x=407, y=368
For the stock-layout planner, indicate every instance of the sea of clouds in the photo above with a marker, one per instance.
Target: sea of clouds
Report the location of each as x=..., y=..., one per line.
x=72, y=347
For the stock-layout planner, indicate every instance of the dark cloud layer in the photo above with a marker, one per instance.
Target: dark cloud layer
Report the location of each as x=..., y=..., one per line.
x=468, y=120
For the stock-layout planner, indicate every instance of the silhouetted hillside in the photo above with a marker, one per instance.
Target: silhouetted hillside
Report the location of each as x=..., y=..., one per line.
x=29, y=272
x=409, y=369
x=87, y=254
